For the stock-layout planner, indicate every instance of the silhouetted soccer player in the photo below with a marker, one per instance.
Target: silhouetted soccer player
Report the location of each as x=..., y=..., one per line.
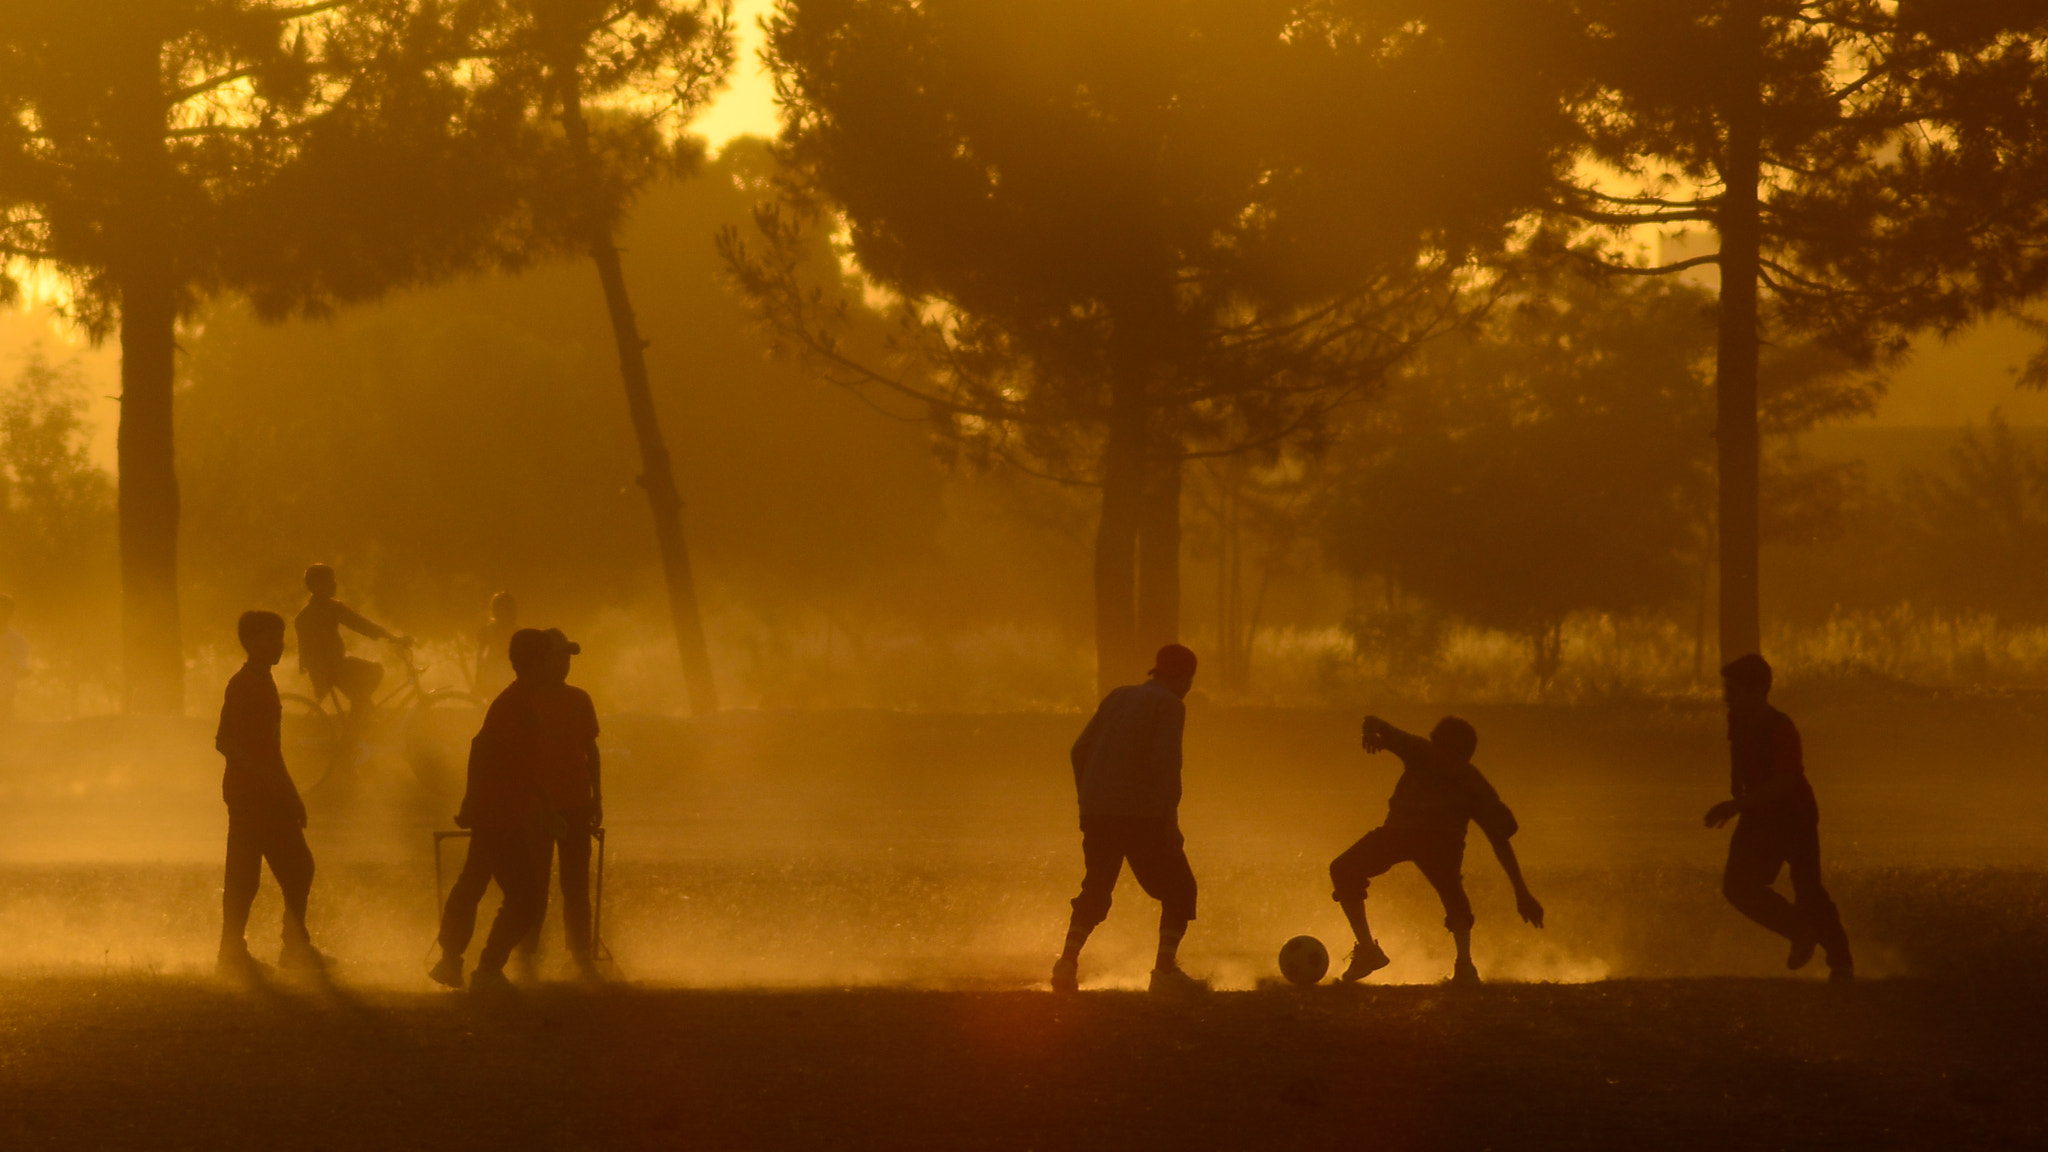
x=493, y=645
x=1127, y=773
x=572, y=782
x=1439, y=792
x=501, y=809
x=266, y=819
x=13, y=658
x=323, y=657
x=1779, y=825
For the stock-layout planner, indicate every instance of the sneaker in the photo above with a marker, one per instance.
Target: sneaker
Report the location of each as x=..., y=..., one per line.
x=1465, y=974
x=489, y=981
x=1367, y=958
x=587, y=971
x=240, y=966
x=1802, y=953
x=1066, y=974
x=1846, y=974
x=1174, y=980
x=303, y=958
x=447, y=972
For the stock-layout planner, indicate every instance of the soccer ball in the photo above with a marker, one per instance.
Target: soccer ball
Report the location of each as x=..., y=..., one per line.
x=1304, y=960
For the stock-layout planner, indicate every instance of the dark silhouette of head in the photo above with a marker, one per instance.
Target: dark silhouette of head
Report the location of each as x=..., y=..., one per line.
x=562, y=648
x=1746, y=683
x=532, y=652
x=262, y=636
x=1174, y=667
x=320, y=580
x=6, y=610
x=1455, y=739
x=504, y=609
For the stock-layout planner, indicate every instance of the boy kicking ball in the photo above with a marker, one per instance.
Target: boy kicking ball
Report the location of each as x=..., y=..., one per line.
x=1438, y=793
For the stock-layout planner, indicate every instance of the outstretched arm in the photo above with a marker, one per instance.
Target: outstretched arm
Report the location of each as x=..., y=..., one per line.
x=1381, y=735
x=1525, y=901
x=357, y=622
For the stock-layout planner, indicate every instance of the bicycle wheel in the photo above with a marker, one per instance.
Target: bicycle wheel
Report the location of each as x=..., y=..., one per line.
x=438, y=728
x=311, y=737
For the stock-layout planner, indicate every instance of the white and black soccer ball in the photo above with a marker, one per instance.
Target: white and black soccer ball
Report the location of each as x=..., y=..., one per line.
x=1304, y=960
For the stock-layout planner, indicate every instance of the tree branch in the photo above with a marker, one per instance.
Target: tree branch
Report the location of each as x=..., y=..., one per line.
x=1658, y=270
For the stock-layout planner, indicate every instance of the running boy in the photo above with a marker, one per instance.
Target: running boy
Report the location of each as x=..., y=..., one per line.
x=266, y=818
x=1779, y=825
x=574, y=789
x=1438, y=793
x=1127, y=771
x=323, y=657
x=501, y=809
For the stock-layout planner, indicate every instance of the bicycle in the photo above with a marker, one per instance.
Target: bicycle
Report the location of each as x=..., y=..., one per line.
x=321, y=735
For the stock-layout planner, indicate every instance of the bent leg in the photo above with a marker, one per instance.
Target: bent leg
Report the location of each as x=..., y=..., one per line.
x=1351, y=874
x=244, y=871
x=291, y=862
x=1102, y=857
x=1755, y=857
x=512, y=866
x=1444, y=868
x=458, y=916
x=1815, y=908
x=1159, y=860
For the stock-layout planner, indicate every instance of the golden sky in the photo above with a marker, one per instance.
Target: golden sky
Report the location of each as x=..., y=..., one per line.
x=747, y=107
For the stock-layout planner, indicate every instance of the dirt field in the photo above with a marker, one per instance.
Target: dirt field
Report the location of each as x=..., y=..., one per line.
x=832, y=930
x=165, y=1064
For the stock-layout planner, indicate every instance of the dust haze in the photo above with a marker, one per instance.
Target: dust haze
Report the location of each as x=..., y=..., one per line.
x=895, y=440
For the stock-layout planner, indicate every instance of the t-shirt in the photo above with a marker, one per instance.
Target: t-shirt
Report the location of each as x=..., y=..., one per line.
x=319, y=626
x=1127, y=761
x=568, y=723
x=250, y=715
x=1438, y=797
x=1761, y=749
x=504, y=763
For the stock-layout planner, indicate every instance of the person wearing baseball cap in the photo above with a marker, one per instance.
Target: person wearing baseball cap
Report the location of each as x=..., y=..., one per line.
x=1127, y=774
x=568, y=767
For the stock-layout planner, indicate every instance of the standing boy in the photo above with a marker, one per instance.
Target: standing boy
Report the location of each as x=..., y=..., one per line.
x=1127, y=772
x=500, y=808
x=266, y=818
x=573, y=786
x=1779, y=825
x=323, y=656
x=1439, y=792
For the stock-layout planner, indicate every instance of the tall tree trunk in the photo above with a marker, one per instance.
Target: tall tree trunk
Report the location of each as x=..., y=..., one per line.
x=1736, y=434
x=1116, y=533
x=657, y=478
x=152, y=652
x=1159, y=552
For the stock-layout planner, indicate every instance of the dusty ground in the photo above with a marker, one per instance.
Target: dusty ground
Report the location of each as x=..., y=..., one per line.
x=163, y=1064
x=830, y=927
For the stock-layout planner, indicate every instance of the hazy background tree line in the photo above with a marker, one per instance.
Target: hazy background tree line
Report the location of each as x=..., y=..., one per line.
x=1425, y=482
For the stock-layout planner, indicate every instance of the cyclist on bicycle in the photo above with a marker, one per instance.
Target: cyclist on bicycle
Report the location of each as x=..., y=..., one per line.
x=323, y=656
